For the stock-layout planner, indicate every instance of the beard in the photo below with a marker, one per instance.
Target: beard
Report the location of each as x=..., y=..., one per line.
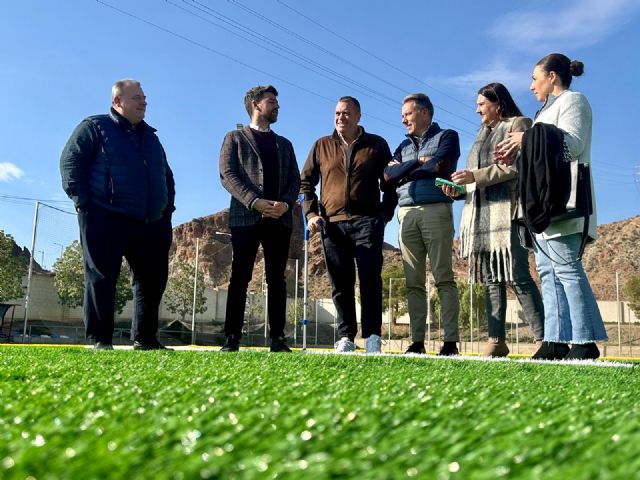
x=270, y=117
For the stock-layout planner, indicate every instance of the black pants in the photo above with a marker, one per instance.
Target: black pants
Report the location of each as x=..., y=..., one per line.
x=358, y=240
x=274, y=237
x=106, y=238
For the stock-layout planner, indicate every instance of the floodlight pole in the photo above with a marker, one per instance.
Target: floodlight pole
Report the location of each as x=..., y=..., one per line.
x=61, y=248
x=305, y=289
x=471, y=314
x=295, y=307
x=195, y=293
x=390, y=316
x=265, y=290
x=429, y=318
x=27, y=296
x=619, y=312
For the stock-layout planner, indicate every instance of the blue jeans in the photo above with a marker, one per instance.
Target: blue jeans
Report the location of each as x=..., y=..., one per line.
x=571, y=311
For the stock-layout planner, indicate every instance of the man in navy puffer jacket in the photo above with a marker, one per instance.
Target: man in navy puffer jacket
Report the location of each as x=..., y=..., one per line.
x=426, y=217
x=116, y=172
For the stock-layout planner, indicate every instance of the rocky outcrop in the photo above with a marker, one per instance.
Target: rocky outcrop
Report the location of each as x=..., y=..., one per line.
x=616, y=250
x=215, y=254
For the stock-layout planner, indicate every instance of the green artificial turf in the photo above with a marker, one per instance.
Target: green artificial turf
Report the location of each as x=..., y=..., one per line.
x=82, y=414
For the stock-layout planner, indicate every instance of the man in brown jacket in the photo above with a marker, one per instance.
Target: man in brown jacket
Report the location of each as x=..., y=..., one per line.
x=349, y=164
x=259, y=169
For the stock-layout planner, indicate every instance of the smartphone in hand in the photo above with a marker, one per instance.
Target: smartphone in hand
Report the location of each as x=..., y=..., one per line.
x=441, y=181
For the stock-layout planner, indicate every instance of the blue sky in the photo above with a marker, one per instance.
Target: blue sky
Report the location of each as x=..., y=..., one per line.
x=59, y=59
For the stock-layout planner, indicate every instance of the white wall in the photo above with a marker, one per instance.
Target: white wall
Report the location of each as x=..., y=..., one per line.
x=43, y=305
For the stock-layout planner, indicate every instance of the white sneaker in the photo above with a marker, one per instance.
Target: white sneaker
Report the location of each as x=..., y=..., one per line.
x=374, y=344
x=344, y=345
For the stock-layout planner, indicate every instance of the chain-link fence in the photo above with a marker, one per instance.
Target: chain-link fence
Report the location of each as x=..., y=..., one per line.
x=42, y=317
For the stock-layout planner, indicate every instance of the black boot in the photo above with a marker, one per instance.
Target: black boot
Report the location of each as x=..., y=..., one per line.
x=416, y=347
x=278, y=345
x=449, y=349
x=583, y=351
x=551, y=351
x=231, y=344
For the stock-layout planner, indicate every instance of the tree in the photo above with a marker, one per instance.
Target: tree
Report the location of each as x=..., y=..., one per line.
x=632, y=294
x=69, y=280
x=296, y=308
x=479, y=307
x=480, y=310
x=179, y=294
x=394, y=275
x=254, y=307
x=12, y=269
x=124, y=293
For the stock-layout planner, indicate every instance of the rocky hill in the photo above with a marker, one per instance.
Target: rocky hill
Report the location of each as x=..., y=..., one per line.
x=215, y=254
x=616, y=250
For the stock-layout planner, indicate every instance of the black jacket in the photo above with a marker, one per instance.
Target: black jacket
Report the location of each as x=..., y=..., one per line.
x=112, y=164
x=544, y=176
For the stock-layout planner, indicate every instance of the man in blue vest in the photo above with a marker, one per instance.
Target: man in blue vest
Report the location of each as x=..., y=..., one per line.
x=116, y=172
x=426, y=217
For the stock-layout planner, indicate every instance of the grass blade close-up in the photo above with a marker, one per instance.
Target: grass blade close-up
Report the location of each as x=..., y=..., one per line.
x=78, y=413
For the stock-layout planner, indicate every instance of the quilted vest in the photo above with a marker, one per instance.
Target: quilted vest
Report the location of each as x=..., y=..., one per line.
x=129, y=174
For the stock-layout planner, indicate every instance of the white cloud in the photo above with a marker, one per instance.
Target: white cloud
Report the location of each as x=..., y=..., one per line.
x=524, y=36
x=9, y=171
x=578, y=23
x=497, y=71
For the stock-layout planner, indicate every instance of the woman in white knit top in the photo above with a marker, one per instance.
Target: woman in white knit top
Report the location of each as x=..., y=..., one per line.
x=571, y=312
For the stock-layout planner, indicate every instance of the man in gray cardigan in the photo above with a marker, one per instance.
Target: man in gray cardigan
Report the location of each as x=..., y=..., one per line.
x=259, y=169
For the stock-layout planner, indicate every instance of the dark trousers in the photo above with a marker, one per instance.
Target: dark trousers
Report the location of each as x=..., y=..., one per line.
x=344, y=242
x=106, y=238
x=274, y=237
x=523, y=286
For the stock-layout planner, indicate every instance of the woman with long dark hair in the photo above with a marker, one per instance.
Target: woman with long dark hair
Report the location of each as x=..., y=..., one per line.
x=571, y=311
x=488, y=237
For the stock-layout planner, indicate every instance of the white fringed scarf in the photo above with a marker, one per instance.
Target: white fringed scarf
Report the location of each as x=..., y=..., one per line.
x=485, y=227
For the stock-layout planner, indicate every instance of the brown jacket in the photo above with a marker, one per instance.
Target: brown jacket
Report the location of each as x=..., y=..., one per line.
x=242, y=175
x=351, y=178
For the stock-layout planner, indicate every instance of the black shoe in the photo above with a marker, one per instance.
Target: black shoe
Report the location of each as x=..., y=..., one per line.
x=449, y=349
x=416, y=347
x=103, y=346
x=231, y=344
x=278, y=345
x=584, y=351
x=149, y=346
x=551, y=351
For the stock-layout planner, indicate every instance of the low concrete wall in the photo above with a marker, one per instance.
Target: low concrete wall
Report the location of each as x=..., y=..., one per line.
x=43, y=305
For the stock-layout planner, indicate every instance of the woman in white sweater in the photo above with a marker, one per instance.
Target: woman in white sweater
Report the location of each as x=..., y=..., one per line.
x=571, y=312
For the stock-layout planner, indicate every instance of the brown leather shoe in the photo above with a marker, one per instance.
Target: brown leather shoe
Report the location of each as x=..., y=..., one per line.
x=496, y=347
